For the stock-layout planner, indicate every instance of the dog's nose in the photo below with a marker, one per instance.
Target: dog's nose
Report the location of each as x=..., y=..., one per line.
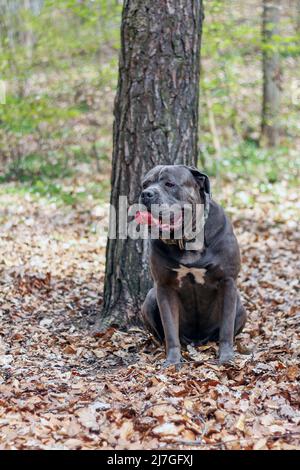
x=148, y=195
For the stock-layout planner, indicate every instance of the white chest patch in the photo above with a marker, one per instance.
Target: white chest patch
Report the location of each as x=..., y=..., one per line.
x=183, y=271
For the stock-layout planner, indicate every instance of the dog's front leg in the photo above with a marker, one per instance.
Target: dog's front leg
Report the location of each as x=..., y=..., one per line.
x=228, y=314
x=169, y=305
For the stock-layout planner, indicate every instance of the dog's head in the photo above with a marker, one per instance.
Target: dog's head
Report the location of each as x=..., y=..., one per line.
x=167, y=192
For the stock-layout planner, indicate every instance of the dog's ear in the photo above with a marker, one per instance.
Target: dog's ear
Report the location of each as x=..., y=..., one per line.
x=201, y=178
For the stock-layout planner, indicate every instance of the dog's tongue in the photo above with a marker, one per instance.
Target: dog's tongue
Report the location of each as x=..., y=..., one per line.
x=144, y=218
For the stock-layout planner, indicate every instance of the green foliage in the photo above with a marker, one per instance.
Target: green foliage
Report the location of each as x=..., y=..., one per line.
x=59, y=66
x=52, y=179
x=24, y=115
x=61, y=63
x=231, y=94
x=33, y=167
x=251, y=162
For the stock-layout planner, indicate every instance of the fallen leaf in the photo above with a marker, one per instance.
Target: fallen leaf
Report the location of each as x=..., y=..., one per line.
x=167, y=429
x=87, y=417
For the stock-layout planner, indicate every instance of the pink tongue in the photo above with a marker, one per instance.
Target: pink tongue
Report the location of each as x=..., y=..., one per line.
x=144, y=218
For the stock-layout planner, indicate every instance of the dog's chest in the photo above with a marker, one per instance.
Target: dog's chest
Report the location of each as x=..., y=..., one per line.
x=186, y=274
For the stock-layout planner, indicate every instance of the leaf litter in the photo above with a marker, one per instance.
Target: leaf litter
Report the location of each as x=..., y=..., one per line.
x=62, y=388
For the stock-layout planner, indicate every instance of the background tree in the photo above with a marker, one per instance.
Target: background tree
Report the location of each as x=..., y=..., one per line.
x=298, y=16
x=271, y=73
x=156, y=121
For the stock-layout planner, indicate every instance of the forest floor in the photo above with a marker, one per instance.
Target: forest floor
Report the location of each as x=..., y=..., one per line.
x=62, y=388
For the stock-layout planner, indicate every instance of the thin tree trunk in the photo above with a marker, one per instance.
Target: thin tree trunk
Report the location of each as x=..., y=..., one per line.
x=215, y=136
x=271, y=73
x=298, y=17
x=156, y=121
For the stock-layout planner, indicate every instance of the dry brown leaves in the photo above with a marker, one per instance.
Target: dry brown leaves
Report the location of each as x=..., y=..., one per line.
x=61, y=388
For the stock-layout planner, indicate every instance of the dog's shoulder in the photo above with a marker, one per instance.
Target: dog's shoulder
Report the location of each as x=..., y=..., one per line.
x=217, y=224
x=221, y=242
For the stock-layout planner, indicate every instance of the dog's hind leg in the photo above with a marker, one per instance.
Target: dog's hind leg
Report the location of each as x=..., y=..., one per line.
x=241, y=317
x=151, y=316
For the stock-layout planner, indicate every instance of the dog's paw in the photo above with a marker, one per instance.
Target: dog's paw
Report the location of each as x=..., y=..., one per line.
x=177, y=363
x=226, y=358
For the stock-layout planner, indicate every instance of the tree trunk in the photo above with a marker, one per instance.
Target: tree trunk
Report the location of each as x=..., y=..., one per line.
x=156, y=122
x=271, y=73
x=298, y=17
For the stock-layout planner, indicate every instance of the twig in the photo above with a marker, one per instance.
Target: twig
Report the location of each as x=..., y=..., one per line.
x=212, y=125
x=249, y=300
x=152, y=405
x=200, y=442
x=215, y=135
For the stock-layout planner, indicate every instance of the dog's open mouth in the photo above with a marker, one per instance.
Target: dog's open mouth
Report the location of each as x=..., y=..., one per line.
x=170, y=221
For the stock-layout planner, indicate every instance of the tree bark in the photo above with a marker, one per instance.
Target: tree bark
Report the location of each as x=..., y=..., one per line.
x=271, y=73
x=156, y=122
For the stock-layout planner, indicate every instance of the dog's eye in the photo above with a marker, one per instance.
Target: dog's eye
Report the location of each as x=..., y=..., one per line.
x=169, y=184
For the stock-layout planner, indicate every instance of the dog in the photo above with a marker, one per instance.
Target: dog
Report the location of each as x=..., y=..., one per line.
x=194, y=298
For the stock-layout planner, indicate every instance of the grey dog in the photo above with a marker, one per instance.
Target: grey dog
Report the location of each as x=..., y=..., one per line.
x=195, y=298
